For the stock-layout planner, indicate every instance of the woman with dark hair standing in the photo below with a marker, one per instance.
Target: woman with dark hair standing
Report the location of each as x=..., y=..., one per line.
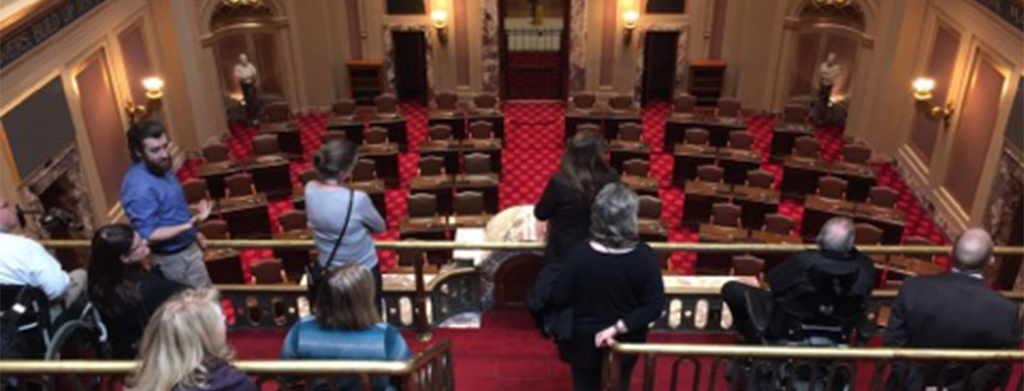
x=343, y=219
x=121, y=289
x=613, y=285
x=565, y=205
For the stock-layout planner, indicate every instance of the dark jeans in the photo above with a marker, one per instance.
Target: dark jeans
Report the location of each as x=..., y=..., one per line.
x=252, y=104
x=378, y=279
x=824, y=98
x=735, y=296
x=588, y=377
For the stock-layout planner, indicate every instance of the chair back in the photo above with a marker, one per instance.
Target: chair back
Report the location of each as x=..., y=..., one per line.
x=344, y=108
x=421, y=205
x=469, y=203
x=309, y=175
x=268, y=272
x=919, y=241
x=710, y=173
x=478, y=164
x=856, y=153
x=481, y=130
x=760, y=178
x=431, y=165
x=214, y=229
x=439, y=132
x=778, y=223
x=621, y=102
x=485, y=101
x=584, y=100
x=225, y=270
x=683, y=103
x=807, y=146
x=867, y=234
x=376, y=135
x=741, y=139
x=195, y=190
x=726, y=214
x=446, y=101
x=239, y=184
x=795, y=113
x=589, y=127
x=728, y=107
x=216, y=152
x=697, y=136
x=293, y=220
x=832, y=187
x=747, y=265
x=649, y=207
x=386, y=104
x=265, y=144
x=883, y=196
x=364, y=170
x=636, y=167
x=630, y=131
x=277, y=112
x=329, y=136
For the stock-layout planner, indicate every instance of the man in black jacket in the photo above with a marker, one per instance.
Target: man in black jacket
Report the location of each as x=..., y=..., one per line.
x=835, y=242
x=954, y=311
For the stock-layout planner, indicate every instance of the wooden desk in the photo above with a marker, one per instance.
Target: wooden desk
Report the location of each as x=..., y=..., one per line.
x=495, y=117
x=438, y=185
x=289, y=138
x=687, y=158
x=609, y=120
x=474, y=221
x=396, y=127
x=486, y=184
x=376, y=191
x=271, y=174
x=699, y=198
x=860, y=179
x=248, y=217
x=718, y=263
x=757, y=203
x=295, y=260
x=576, y=117
x=783, y=137
x=454, y=119
x=800, y=176
x=654, y=230
x=353, y=128
x=445, y=149
x=642, y=185
x=490, y=148
x=425, y=228
x=910, y=266
x=622, y=151
x=614, y=118
x=719, y=129
x=385, y=156
x=214, y=174
x=224, y=265
x=818, y=210
x=891, y=221
x=736, y=163
x=772, y=259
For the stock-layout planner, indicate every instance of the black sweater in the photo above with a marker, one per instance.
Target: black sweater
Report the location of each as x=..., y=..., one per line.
x=567, y=214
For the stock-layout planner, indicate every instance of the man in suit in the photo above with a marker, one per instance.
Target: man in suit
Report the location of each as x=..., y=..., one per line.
x=954, y=311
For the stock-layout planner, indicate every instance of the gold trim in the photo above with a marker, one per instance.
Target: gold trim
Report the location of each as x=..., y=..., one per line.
x=818, y=353
x=28, y=12
x=10, y=156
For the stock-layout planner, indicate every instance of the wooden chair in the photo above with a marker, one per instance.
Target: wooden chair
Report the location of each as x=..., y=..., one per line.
x=293, y=220
x=309, y=175
x=478, y=164
x=636, y=167
x=795, y=113
x=683, y=104
x=217, y=152
x=726, y=214
x=778, y=224
x=760, y=178
x=747, y=265
x=268, y=272
x=621, y=102
x=649, y=207
x=469, y=203
x=485, y=101
x=344, y=108
x=728, y=107
x=446, y=101
x=481, y=130
x=195, y=190
x=832, y=187
x=265, y=144
x=277, y=112
x=856, y=153
x=364, y=170
x=741, y=139
x=710, y=173
x=697, y=136
x=591, y=128
x=867, y=234
x=329, y=136
x=431, y=165
x=883, y=196
x=376, y=135
x=240, y=184
x=808, y=147
x=630, y=131
x=225, y=270
x=421, y=205
x=439, y=132
x=214, y=229
x=584, y=101
x=386, y=104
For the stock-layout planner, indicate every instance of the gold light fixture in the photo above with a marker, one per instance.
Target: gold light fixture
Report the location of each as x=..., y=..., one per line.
x=154, y=87
x=923, y=88
x=439, y=18
x=236, y=3
x=154, y=100
x=833, y=3
x=630, y=17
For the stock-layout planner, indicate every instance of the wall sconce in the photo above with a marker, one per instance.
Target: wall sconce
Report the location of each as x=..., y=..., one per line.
x=154, y=100
x=923, y=88
x=154, y=87
x=630, y=18
x=439, y=17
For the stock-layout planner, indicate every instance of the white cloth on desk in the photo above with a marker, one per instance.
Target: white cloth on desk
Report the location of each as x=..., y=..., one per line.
x=25, y=262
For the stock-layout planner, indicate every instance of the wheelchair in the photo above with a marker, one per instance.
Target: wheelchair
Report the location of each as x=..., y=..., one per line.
x=821, y=313
x=30, y=332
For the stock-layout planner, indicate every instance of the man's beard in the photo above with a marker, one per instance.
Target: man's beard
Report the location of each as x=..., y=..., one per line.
x=158, y=168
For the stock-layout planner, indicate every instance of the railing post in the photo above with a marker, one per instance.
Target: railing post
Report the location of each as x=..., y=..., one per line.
x=420, y=300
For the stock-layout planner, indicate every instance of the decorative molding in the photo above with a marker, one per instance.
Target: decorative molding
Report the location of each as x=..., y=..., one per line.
x=491, y=58
x=389, y=50
x=1006, y=197
x=681, y=48
x=1011, y=12
x=577, y=45
x=39, y=28
x=68, y=163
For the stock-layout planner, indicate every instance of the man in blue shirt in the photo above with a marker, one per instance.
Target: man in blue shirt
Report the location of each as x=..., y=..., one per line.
x=155, y=202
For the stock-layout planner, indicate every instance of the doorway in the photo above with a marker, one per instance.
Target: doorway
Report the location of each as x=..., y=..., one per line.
x=659, y=65
x=534, y=57
x=410, y=59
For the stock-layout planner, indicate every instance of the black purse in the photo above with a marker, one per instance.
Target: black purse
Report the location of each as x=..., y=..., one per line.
x=314, y=270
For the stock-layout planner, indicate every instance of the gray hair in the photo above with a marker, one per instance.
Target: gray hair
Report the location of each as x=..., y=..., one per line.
x=972, y=249
x=613, y=217
x=334, y=158
x=837, y=235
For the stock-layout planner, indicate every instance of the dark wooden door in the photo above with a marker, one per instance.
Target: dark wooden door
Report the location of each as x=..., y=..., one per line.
x=410, y=65
x=659, y=65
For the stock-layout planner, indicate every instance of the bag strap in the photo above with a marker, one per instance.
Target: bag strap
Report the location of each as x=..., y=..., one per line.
x=344, y=227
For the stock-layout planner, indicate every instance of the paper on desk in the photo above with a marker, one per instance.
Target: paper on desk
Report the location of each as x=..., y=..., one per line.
x=470, y=235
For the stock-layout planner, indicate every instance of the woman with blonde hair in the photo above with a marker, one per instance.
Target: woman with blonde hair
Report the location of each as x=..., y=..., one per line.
x=184, y=348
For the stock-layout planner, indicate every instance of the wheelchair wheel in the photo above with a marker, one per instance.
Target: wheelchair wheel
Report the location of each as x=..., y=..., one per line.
x=76, y=339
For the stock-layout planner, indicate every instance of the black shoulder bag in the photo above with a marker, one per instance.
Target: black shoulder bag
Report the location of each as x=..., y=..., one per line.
x=314, y=270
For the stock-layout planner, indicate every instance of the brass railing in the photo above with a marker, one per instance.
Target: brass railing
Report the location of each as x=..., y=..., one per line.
x=430, y=370
x=751, y=368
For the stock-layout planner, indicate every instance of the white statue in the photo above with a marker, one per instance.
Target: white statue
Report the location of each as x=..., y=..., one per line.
x=245, y=74
x=827, y=74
